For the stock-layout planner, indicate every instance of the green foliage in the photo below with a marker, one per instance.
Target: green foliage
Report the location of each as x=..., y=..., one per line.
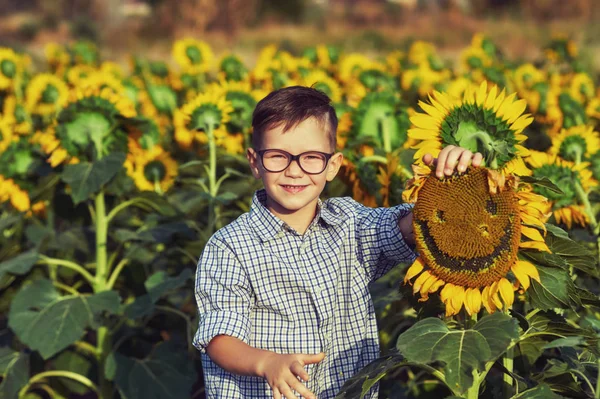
x=48, y=322
x=166, y=373
x=87, y=178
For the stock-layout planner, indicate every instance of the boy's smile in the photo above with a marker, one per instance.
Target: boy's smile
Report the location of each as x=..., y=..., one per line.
x=292, y=194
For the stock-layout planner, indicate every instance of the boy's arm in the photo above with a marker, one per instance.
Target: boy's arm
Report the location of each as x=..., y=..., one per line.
x=225, y=299
x=223, y=294
x=280, y=370
x=382, y=244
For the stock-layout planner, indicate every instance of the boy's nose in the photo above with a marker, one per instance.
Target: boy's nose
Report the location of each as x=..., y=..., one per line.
x=294, y=169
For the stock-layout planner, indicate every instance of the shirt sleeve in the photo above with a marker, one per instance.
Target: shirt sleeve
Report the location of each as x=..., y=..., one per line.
x=223, y=294
x=381, y=245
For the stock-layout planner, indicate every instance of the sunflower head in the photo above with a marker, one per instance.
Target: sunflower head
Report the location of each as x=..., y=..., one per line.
x=473, y=271
x=320, y=80
x=473, y=58
x=567, y=176
x=243, y=100
x=232, y=68
x=16, y=115
x=10, y=67
x=204, y=114
x=382, y=118
x=152, y=169
x=377, y=80
x=573, y=111
x=193, y=56
x=46, y=94
x=91, y=125
x=576, y=144
x=487, y=122
x=6, y=135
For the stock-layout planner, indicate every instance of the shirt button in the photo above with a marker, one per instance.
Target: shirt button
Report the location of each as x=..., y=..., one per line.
x=318, y=290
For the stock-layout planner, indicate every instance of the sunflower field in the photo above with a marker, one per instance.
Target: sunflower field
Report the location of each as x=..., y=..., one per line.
x=113, y=178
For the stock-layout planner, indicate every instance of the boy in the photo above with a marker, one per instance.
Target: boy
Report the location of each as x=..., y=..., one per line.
x=282, y=291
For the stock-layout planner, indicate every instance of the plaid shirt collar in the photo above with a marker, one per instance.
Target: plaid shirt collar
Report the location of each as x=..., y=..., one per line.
x=267, y=226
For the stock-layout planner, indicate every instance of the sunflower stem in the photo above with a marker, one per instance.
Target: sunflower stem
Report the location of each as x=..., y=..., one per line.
x=583, y=198
x=103, y=341
x=212, y=177
x=597, y=392
x=508, y=363
x=57, y=373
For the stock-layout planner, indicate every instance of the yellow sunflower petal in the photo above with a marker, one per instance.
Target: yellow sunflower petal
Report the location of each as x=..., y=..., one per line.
x=414, y=269
x=507, y=292
x=532, y=233
x=457, y=299
x=473, y=300
x=423, y=277
x=535, y=245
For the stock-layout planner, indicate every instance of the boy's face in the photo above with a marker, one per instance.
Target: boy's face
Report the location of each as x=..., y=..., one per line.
x=292, y=190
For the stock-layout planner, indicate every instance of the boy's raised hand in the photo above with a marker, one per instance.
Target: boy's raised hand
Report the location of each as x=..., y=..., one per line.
x=452, y=157
x=282, y=372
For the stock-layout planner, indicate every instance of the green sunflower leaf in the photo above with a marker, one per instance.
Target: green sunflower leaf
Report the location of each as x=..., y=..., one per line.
x=20, y=264
x=360, y=383
x=542, y=391
x=542, y=182
x=462, y=351
x=48, y=322
x=157, y=285
x=528, y=350
x=168, y=372
x=555, y=289
x=87, y=178
x=14, y=368
x=498, y=330
x=75, y=362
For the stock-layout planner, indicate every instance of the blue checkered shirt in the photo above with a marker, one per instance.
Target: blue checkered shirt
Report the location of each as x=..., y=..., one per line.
x=262, y=282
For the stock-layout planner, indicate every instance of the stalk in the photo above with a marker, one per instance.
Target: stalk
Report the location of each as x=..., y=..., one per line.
x=103, y=341
x=387, y=140
x=583, y=198
x=57, y=373
x=101, y=237
x=597, y=393
x=473, y=391
x=508, y=363
x=213, y=209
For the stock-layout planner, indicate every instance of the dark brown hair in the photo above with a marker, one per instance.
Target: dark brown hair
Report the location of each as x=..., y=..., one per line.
x=290, y=106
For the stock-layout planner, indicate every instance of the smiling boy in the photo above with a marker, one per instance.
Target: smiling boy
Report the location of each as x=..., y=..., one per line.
x=282, y=291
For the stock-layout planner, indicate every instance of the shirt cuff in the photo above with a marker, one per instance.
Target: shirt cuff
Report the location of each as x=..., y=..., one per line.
x=221, y=322
x=396, y=247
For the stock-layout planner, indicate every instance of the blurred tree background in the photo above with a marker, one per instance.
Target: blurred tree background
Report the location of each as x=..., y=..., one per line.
x=148, y=27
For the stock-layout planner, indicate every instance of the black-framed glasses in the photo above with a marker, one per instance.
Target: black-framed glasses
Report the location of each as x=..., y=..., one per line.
x=311, y=162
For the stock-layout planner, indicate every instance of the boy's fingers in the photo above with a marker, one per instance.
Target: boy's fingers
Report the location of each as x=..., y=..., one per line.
x=428, y=159
x=310, y=359
x=276, y=394
x=477, y=159
x=287, y=392
x=464, y=161
x=452, y=159
x=301, y=389
x=441, y=161
x=298, y=370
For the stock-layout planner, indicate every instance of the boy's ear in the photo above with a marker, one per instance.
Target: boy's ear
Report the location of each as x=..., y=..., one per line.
x=335, y=163
x=252, y=157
